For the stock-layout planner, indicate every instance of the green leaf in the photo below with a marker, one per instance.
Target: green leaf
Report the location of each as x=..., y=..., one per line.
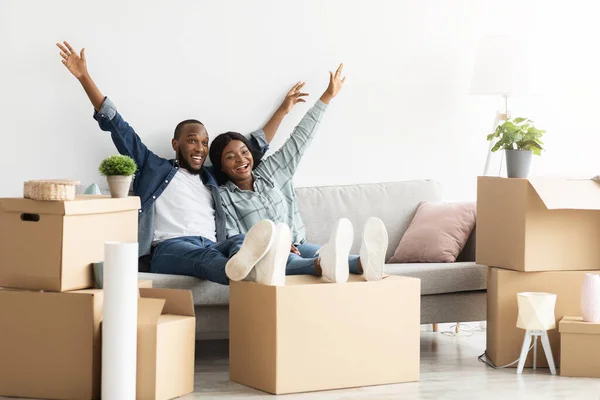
x=117, y=165
x=519, y=120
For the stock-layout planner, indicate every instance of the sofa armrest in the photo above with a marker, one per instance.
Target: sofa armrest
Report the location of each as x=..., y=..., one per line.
x=468, y=252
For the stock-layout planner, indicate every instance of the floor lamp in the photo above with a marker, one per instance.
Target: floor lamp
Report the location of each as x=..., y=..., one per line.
x=497, y=71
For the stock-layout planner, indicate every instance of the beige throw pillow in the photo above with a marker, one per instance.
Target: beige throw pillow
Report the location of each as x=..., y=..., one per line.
x=437, y=233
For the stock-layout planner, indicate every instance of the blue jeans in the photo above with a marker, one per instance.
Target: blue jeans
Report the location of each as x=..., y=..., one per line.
x=304, y=264
x=205, y=259
x=195, y=256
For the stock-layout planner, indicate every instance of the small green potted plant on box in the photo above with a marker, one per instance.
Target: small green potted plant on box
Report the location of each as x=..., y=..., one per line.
x=118, y=171
x=520, y=139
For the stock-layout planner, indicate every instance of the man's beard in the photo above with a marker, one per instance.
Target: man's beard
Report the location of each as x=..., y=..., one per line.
x=184, y=164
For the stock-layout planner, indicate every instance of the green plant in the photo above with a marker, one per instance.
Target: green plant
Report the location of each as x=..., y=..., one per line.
x=518, y=134
x=117, y=165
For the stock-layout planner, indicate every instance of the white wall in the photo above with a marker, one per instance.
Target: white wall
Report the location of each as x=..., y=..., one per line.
x=405, y=112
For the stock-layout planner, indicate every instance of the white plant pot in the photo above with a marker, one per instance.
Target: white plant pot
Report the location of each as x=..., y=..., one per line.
x=590, y=298
x=119, y=185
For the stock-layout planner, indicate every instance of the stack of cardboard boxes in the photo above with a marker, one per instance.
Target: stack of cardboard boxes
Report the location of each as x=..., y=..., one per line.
x=537, y=235
x=51, y=313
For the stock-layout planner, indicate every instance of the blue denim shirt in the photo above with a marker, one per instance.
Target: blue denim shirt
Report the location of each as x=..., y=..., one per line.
x=154, y=173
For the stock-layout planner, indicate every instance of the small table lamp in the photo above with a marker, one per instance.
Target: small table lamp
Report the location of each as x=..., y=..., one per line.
x=498, y=70
x=536, y=316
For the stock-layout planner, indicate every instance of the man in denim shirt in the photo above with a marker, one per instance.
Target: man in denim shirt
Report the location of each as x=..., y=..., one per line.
x=181, y=220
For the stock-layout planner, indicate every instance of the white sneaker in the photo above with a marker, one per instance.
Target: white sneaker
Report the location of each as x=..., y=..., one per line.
x=257, y=243
x=373, y=249
x=333, y=257
x=270, y=270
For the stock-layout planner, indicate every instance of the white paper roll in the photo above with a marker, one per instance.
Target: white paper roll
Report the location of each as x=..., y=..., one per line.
x=119, y=324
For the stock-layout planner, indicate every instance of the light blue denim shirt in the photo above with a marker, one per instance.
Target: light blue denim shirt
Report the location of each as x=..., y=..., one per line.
x=273, y=197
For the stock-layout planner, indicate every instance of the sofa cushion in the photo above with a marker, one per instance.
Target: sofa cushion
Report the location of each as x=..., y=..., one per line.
x=394, y=202
x=437, y=233
x=204, y=292
x=435, y=279
x=439, y=278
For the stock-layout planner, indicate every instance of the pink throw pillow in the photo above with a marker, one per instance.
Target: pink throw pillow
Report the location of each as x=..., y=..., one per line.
x=437, y=233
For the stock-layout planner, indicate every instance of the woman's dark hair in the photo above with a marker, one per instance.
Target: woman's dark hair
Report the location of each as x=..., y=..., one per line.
x=216, y=152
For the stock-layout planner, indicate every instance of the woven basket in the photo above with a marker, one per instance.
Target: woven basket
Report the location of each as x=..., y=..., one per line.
x=56, y=190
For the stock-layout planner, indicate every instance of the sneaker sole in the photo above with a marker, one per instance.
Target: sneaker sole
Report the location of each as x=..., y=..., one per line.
x=373, y=249
x=342, y=243
x=275, y=261
x=257, y=243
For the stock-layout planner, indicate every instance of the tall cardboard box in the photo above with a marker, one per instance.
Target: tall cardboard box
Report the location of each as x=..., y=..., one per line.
x=51, y=245
x=538, y=224
x=504, y=339
x=166, y=342
x=50, y=344
x=312, y=335
x=580, y=348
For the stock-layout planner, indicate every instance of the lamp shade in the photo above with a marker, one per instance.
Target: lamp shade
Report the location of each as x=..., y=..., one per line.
x=536, y=311
x=499, y=67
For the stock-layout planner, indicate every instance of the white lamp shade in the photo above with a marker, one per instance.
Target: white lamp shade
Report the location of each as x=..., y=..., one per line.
x=536, y=311
x=500, y=67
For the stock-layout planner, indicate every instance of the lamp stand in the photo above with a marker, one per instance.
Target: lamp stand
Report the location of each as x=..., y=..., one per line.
x=543, y=335
x=499, y=118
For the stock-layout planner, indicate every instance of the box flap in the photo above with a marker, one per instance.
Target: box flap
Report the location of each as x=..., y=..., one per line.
x=83, y=204
x=567, y=194
x=150, y=310
x=576, y=325
x=178, y=301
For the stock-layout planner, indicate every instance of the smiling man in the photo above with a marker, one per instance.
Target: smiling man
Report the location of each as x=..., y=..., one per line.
x=182, y=221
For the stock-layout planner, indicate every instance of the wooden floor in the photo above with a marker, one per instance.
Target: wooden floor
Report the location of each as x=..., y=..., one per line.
x=449, y=370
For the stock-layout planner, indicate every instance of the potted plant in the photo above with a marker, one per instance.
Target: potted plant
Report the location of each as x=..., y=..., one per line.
x=119, y=172
x=520, y=140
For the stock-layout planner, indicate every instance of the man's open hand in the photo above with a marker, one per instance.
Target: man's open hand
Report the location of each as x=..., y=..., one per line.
x=74, y=62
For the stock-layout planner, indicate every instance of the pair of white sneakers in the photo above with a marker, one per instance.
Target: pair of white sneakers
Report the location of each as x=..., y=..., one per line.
x=263, y=255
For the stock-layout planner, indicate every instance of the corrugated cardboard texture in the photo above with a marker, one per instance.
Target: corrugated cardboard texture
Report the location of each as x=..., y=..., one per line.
x=538, y=225
x=504, y=339
x=50, y=344
x=166, y=342
x=55, y=251
x=82, y=205
x=580, y=348
x=311, y=335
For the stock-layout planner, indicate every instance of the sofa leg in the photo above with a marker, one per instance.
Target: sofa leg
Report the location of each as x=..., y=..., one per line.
x=435, y=327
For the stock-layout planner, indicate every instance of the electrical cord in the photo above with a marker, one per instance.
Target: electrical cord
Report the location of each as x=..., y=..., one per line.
x=491, y=364
x=467, y=329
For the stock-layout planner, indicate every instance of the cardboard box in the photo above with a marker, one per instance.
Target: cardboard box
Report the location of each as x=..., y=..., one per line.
x=51, y=245
x=538, y=224
x=504, y=339
x=579, y=348
x=166, y=342
x=311, y=335
x=50, y=344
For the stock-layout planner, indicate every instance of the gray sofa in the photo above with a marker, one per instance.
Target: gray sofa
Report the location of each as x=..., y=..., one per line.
x=450, y=292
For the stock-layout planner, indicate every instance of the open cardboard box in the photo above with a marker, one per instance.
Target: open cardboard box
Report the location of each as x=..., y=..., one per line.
x=541, y=224
x=313, y=335
x=50, y=343
x=166, y=343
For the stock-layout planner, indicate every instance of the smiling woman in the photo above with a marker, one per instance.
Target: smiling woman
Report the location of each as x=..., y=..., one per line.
x=234, y=158
x=254, y=190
